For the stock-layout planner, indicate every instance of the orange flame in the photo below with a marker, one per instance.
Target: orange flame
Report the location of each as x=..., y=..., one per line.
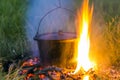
x=84, y=17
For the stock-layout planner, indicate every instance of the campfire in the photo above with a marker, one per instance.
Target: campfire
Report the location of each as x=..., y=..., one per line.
x=84, y=68
x=33, y=69
x=63, y=55
x=43, y=68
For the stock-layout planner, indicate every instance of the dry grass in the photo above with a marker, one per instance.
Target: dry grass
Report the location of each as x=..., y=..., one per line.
x=105, y=32
x=105, y=35
x=12, y=32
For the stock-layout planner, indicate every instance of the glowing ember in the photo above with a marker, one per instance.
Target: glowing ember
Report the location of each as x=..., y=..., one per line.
x=84, y=17
x=31, y=62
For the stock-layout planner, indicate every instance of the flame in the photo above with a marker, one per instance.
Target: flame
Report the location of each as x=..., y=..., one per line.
x=86, y=77
x=84, y=17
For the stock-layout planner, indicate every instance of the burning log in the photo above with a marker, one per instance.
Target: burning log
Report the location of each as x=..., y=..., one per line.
x=36, y=71
x=49, y=72
x=33, y=66
x=40, y=72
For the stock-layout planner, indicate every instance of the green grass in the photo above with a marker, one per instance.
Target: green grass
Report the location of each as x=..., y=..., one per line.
x=12, y=32
x=2, y=76
x=105, y=32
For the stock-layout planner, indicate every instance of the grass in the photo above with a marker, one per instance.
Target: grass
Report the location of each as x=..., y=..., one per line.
x=2, y=76
x=12, y=32
x=105, y=34
x=107, y=13
x=12, y=74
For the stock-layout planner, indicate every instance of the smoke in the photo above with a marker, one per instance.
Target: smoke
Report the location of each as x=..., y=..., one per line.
x=61, y=19
x=99, y=51
x=53, y=22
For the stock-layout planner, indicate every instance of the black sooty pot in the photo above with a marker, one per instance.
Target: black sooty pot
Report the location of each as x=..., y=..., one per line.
x=56, y=48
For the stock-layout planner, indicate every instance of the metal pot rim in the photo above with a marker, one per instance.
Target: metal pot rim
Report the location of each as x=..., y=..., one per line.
x=64, y=36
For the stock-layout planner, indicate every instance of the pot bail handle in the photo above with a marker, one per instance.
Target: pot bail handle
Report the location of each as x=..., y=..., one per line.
x=59, y=7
